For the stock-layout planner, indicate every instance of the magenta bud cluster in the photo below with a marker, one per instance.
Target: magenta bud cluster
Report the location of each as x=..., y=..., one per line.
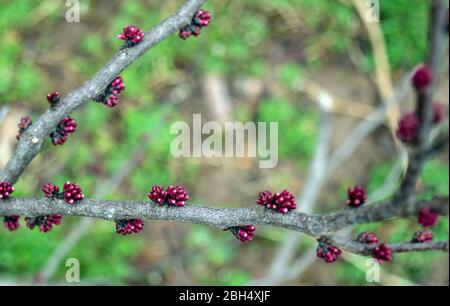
x=44, y=223
x=281, y=202
x=382, y=253
x=428, y=217
x=132, y=35
x=410, y=123
x=173, y=195
x=50, y=190
x=157, y=194
x=72, y=193
x=367, y=238
x=438, y=112
x=422, y=78
x=127, y=227
x=422, y=237
x=356, y=196
x=110, y=97
x=408, y=127
x=328, y=252
x=200, y=20
x=244, y=233
x=11, y=223
x=6, y=189
x=24, y=124
x=53, y=98
x=65, y=127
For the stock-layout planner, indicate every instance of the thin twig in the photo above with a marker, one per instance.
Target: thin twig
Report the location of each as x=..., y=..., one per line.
x=367, y=249
x=424, y=105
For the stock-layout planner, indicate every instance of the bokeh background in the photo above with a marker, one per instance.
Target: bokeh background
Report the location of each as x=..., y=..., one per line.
x=259, y=60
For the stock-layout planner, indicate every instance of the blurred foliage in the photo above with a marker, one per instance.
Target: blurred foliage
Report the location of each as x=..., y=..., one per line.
x=246, y=40
x=296, y=127
x=103, y=255
x=329, y=26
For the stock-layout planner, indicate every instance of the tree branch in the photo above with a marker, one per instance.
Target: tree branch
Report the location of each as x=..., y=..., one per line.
x=33, y=139
x=424, y=104
x=223, y=218
x=367, y=249
x=382, y=212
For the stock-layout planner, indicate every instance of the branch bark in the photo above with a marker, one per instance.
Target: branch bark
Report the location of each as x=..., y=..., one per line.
x=223, y=218
x=424, y=101
x=403, y=247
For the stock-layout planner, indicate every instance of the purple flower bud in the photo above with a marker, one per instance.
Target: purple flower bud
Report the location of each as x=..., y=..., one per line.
x=111, y=95
x=11, y=223
x=157, y=194
x=422, y=78
x=367, y=238
x=72, y=193
x=422, y=237
x=281, y=201
x=408, y=127
x=196, y=30
x=53, y=98
x=438, y=113
x=200, y=20
x=126, y=227
x=176, y=196
x=328, y=252
x=132, y=35
x=50, y=190
x=44, y=223
x=6, y=189
x=427, y=217
x=24, y=124
x=356, y=196
x=64, y=128
x=244, y=233
x=382, y=253
x=185, y=33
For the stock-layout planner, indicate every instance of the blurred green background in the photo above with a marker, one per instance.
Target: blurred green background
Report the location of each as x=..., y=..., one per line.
x=260, y=52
